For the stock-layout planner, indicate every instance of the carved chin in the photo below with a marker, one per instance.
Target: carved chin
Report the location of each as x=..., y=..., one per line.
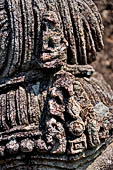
x=50, y=60
x=46, y=57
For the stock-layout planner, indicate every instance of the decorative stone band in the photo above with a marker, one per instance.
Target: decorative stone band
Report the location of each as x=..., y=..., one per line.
x=65, y=115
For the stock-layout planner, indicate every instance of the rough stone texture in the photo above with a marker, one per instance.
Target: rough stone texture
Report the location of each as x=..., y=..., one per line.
x=35, y=34
x=104, y=63
x=54, y=114
x=71, y=119
x=105, y=161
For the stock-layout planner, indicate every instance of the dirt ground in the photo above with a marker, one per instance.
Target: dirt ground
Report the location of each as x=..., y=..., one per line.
x=104, y=62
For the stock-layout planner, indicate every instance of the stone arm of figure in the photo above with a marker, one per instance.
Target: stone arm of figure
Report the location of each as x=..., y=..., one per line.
x=80, y=70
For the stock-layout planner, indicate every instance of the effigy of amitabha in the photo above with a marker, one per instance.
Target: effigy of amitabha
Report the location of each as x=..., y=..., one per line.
x=51, y=106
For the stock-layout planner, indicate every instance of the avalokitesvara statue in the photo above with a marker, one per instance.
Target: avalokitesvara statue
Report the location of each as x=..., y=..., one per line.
x=56, y=113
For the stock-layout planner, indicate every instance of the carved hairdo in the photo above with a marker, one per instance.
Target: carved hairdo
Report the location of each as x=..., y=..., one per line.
x=83, y=28
x=20, y=27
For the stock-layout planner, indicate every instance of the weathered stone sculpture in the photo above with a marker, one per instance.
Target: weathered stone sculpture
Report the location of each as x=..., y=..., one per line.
x=27, y=28
x=49, y=107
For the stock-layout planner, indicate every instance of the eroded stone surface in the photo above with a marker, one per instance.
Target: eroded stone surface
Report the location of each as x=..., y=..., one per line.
x=67, y=116
x=37, y=34
x=49, y=104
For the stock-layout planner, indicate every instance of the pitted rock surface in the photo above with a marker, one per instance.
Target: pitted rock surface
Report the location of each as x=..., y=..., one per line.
x=69, y=117
x=37, y=33
x=50, y=115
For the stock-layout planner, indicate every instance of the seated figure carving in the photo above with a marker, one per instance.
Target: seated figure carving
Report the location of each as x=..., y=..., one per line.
x=50, y=103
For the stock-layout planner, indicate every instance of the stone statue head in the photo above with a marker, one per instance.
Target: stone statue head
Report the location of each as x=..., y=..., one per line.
x=42, y=34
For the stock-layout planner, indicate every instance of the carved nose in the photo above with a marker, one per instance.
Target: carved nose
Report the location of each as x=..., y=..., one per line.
x=48, y=44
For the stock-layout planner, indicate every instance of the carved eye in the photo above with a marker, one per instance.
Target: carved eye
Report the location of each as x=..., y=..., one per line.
x=50, y=43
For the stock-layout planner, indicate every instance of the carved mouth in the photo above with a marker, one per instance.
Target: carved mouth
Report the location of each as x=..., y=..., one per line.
x=47, y=51
x=48, y=54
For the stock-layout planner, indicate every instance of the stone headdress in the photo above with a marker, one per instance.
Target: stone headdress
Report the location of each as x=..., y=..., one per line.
x=74, y=24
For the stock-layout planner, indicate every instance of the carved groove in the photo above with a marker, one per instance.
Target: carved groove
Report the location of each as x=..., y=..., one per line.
x=51, y=106
x=22, y=45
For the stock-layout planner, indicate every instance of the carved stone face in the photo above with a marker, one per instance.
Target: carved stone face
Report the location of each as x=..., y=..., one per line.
x=53, y=50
